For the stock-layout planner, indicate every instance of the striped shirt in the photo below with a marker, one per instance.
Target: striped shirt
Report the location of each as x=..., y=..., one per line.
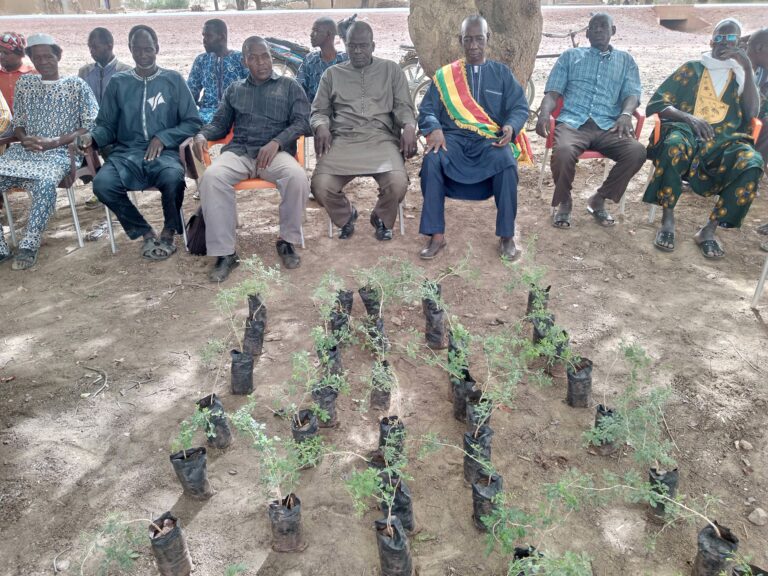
x=276, y=109
x=594, y=85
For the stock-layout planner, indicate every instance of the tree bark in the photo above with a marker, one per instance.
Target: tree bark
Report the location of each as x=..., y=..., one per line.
x=216, y=5
x=515, y=27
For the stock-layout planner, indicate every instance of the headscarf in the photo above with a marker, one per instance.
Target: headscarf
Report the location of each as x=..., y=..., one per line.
x=13, y=42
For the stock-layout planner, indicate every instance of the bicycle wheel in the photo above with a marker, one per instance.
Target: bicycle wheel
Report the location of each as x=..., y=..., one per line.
x=530, y=91
x=284, y=68
x=413, y=73
x=418, y=93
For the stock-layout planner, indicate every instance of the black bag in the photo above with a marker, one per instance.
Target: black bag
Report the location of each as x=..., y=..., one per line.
x=196, y=234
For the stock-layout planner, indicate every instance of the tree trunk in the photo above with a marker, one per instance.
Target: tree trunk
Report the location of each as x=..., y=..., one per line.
x=515, y=27
x=258, y=4
x=216, y=5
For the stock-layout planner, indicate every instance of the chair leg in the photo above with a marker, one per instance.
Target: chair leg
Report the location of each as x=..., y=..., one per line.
x=301, y=230
x=760, y=285
x=9, y=217
x=330, y=227
x=623, y=204
x=110, y=230
x=652, y=209
x=606, y=169
x=402, y=221
x=75, y=219
x=543, y=167
x=184, y=230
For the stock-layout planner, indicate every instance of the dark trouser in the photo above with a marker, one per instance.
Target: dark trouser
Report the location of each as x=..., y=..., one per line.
x=570, y=143
x=327, y=190
x=434, y=185
x=762, y=144
x=110, y=190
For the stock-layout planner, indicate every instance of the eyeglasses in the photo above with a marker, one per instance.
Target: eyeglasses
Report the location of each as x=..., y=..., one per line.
x=719, y=38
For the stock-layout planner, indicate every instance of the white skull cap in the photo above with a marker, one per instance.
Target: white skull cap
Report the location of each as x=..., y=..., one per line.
x=40, y=39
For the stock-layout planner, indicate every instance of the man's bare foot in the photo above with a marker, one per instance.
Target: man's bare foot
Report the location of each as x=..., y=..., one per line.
x=665, y=236
x=596, y=202
x=596, y=207
x=562, y=217
x=709, y=245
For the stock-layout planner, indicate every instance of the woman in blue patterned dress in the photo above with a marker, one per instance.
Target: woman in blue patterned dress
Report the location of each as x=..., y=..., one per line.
x=49, y=112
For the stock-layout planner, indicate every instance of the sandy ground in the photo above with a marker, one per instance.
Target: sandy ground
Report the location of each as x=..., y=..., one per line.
x=68, y=460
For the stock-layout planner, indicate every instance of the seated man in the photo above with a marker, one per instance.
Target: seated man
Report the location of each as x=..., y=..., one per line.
x=600, y=87
x=12, y=65
x=758, y=55
x=358, y=113
x=706, y=108
x=323, y=36
x=471, y=113
x=98, y=73
x=213, y=71
x=50, y=112
x=269, y=113
x=146, y=114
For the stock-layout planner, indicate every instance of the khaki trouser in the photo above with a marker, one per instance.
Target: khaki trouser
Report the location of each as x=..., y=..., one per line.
x=217, y=194
x=327, y=190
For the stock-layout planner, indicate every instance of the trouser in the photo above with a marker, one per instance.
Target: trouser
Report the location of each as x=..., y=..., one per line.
x=433, y=188
x=110, y=190
x=733, y=173
x=43, y=205
x=570, y=143
x=217, y=194
x=762, y=144
x=327, y=189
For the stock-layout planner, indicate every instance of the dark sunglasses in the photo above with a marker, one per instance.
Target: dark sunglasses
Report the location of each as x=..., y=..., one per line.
x=718, y=38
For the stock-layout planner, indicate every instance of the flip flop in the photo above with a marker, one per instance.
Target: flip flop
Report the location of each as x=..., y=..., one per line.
x=163, y=250
x=668, y=239
x=561, y=220
x=763, y=246
x=4, y=257
x=602, y=216
x=148, y=248
x=24, y=259
x=711, y=250
x=763, y=229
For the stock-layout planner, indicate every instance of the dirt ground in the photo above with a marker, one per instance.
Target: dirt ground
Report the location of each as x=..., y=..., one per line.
x=68, y=460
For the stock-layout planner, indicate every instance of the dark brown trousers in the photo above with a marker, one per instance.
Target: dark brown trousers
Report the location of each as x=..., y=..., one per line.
x=570, y=143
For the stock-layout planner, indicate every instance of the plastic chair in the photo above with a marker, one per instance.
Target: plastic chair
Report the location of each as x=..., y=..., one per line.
x=588, y=154
x=757, y=125
x=248, y=183
x=68, y=183
x=760, y=285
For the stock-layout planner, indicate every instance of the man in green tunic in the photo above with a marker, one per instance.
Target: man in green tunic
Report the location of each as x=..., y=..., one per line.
x=706, y=108
x=364, y=124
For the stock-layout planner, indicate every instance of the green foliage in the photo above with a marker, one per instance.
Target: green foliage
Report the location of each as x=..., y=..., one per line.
x=279, y=460
x=507, y=524
x=235, y=569
x=116, y=545
x=200, y=420
x=639, y=418
x=326, y=292
x=382, y=377
x=569, y=564
x=363, y=485
x=212, y=350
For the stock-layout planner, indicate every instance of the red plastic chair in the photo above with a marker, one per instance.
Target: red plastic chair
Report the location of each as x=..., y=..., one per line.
x=588, y=154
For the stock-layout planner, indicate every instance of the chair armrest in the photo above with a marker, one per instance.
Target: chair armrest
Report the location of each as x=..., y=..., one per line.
x=300, y=151
x=757, y=126
x=8, y=140
x=640, y=118
x=185, y=156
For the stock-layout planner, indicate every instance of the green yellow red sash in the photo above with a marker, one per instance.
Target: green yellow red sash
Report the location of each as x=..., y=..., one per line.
x=466, y=112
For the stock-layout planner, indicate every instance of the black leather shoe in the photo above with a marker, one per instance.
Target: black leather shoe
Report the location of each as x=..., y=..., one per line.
x=288, y=255
x=432, y=248
x=223, y=266
x=507, y=249
x=349, y=228
x=382, y=232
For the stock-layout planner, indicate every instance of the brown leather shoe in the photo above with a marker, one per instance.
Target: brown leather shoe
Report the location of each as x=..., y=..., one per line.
x=507, y=249
x=432, y=248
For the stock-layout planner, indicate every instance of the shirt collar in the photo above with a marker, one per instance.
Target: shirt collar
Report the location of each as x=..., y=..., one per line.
x=603, y=53
x=274, y=76
x=110, y=63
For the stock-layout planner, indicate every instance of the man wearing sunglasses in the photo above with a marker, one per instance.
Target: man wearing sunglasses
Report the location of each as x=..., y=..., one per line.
x=706, y=108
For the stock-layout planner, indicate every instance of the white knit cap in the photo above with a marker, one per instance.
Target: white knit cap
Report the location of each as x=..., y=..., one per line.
x=40, y=39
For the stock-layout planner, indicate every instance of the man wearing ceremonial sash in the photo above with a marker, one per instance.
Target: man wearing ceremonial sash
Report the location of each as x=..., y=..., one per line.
x=473, y=115
x=706, y=108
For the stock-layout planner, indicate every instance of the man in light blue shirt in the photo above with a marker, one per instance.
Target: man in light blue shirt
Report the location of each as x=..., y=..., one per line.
x=323, y=36
x=600, y=89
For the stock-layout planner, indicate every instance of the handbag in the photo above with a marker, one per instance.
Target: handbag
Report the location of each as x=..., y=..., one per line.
x=196, y=234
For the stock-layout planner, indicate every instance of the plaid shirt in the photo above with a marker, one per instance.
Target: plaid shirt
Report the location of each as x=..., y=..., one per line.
x=312, y=70
x=593, y=85
x=275, y=110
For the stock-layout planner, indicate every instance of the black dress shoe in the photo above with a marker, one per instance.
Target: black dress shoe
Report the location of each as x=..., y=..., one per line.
x=432, y=248
x=349, y=228
x=382, y=232
x=223, y=266
x=288, y=255
x=507, y=249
